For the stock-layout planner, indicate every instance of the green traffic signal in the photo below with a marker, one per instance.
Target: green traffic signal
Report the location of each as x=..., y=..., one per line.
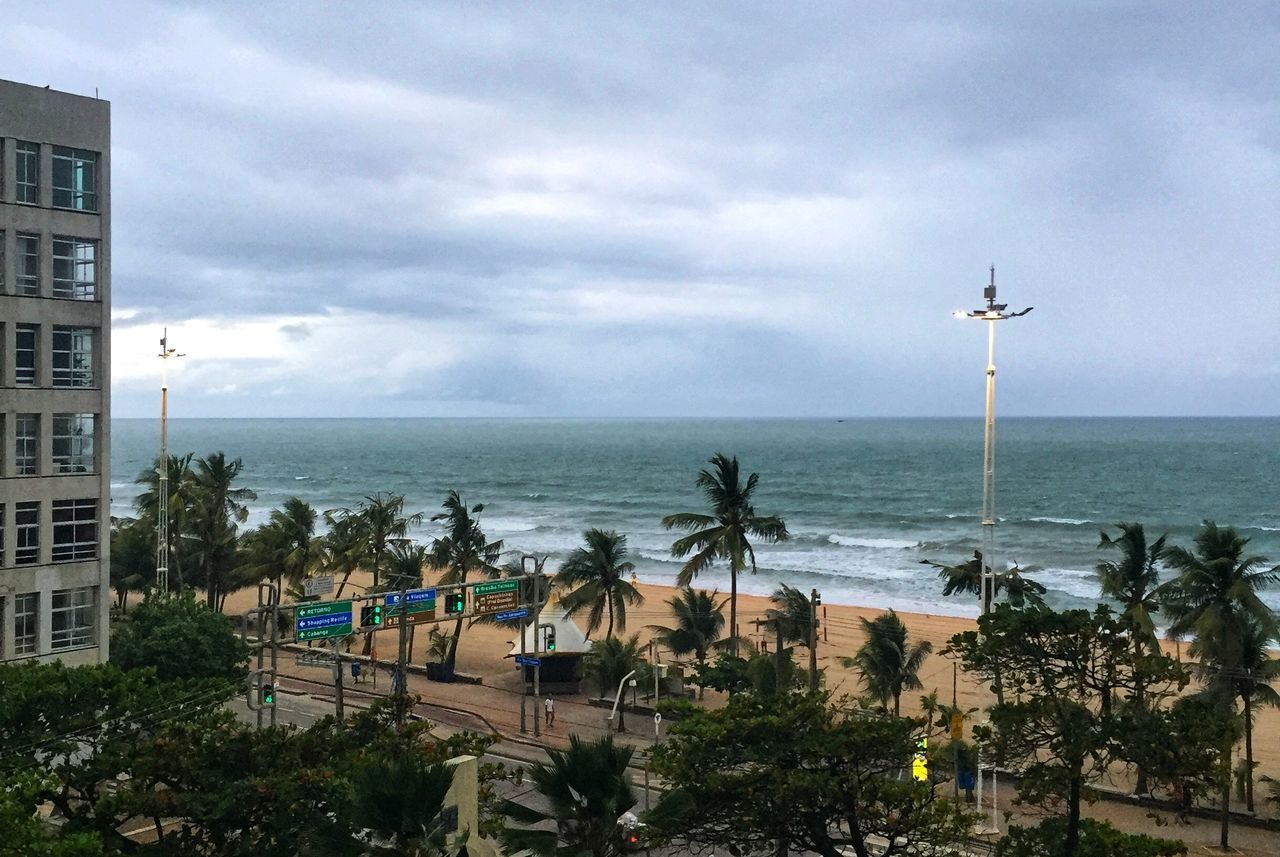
x=551, y=638
x=268, y=694
x=377, y=614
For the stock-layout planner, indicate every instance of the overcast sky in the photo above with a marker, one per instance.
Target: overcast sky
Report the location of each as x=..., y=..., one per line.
x=719, y=209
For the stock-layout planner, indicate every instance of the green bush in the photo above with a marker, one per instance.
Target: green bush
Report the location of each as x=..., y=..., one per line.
x=180, y=639
x=1097, y=839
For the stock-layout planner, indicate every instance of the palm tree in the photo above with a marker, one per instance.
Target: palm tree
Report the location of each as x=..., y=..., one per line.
x=342, y=549
x=216, y=510
x=889, y=663
x=284, y=548
x=1252, y=683
x=597, y=574
x=610, y=660
x=381, y=521
x=588, y=788
x=133, y=558
x=723, y=533
x=699, y=624
x=395, y=807
x=1215, y=597
x=791, y=615
x=180, y=490
x=462, y=549
x=404, y=571
x=1132, y=580
x=966, y=579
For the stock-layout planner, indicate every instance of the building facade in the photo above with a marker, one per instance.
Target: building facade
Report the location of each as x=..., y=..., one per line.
x=55, y=362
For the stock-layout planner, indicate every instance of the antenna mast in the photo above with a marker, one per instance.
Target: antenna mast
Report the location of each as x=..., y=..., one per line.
x=162, y=504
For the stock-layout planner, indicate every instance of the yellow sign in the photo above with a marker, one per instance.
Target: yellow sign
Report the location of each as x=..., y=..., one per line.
x=919, y=765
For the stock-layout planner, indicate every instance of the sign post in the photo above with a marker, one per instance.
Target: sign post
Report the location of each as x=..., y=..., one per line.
x=498, y=596
x=323, y=620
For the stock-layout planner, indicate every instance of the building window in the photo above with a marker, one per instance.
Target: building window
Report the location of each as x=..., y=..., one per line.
x=71, y=618
x=73, y=357
x=73, y=443
x=27, y=176
x=26, y=455
x=26, y=516
x=74, y=269
x=26, y=614
x=75, y=179
x=75, y=530
x=27, y=276
x=24, y=357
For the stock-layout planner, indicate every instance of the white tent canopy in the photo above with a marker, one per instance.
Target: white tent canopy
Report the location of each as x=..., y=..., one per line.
x=569, y=638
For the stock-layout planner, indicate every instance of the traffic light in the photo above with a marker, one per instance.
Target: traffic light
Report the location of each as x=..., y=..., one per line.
x=370, y=615
x=455, y=603
x=551, y=637
x=269, y=694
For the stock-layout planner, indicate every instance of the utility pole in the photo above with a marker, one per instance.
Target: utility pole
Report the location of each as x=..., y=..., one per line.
x=401, y=646
x=991, y=313
x=339, y=710
x=162, y=501
x=524, y=634
x=815, y=600
x=537, y=649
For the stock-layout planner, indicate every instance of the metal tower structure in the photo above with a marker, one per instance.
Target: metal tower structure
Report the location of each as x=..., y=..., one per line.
x=991, y=313
x=162, y=501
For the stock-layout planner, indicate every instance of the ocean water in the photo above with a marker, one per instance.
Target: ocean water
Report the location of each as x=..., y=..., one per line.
x=865, y=500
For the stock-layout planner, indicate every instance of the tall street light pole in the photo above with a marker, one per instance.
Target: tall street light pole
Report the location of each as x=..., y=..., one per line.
x=991, y=313
x=162, y=502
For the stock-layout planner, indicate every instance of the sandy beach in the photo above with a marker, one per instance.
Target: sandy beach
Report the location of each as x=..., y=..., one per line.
x=483, y=651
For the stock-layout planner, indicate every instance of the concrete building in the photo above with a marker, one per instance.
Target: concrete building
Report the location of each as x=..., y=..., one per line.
x=55, y=372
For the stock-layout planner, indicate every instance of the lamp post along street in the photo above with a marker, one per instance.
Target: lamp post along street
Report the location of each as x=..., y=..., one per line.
x=991, y=313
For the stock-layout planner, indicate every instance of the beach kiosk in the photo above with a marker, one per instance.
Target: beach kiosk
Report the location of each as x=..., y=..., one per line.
x=561, y=668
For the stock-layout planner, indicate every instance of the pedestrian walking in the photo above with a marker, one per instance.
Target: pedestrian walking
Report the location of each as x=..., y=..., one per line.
x=549, y=707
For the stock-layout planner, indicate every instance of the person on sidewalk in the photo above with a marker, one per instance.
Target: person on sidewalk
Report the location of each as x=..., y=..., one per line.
x=549, y=707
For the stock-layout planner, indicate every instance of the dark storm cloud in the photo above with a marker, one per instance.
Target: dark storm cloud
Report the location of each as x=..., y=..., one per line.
x=757, y=208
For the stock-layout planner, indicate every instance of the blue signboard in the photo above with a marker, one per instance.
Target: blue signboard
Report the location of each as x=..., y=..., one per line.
x=511, y=614
x=522, y=660
x=413, y=596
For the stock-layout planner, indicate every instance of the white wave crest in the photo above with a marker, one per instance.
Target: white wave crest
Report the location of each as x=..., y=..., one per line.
x=1074, y=522
x=866, y=542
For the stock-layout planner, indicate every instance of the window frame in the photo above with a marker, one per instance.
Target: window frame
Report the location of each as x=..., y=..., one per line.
x=72, y=375
x=26, y=644
x=26, y=548
x=74, y=435
x=74, y=287
x=75, y=529
x=80, y=606
x=26, y=444
x=76, y=199
x=26, y=375
x=22, y=186
x=26, y=283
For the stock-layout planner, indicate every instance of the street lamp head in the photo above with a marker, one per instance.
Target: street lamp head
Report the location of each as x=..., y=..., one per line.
x=992, y=311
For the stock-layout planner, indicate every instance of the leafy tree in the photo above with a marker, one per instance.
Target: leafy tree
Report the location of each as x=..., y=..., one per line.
x=1097, y=839
x=1215, y=597
x=596, y=577
x=723, y=534
x=180, y=639
x=462, y=550
x=25, y=835
x=133, y=557
x=611, y=659
x=726, y=674
x=1064, y=670
x=773, y=775
x=966, y=579
x=888, y=661
x=588, y=788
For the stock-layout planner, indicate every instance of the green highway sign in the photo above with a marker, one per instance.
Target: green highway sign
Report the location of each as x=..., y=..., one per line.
x=322, y=620
x=496, y=586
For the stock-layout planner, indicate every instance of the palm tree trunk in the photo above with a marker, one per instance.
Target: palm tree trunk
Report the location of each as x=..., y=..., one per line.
x=1225, y=831
x=733, y=610
x=1139, y=695
x=1248, y=753
x=897, y=705
x=1072, y=838
x=609, y=631
x=343, y=585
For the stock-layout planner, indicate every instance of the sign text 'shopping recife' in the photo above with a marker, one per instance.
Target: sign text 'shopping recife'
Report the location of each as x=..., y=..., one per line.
x=323, y=620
